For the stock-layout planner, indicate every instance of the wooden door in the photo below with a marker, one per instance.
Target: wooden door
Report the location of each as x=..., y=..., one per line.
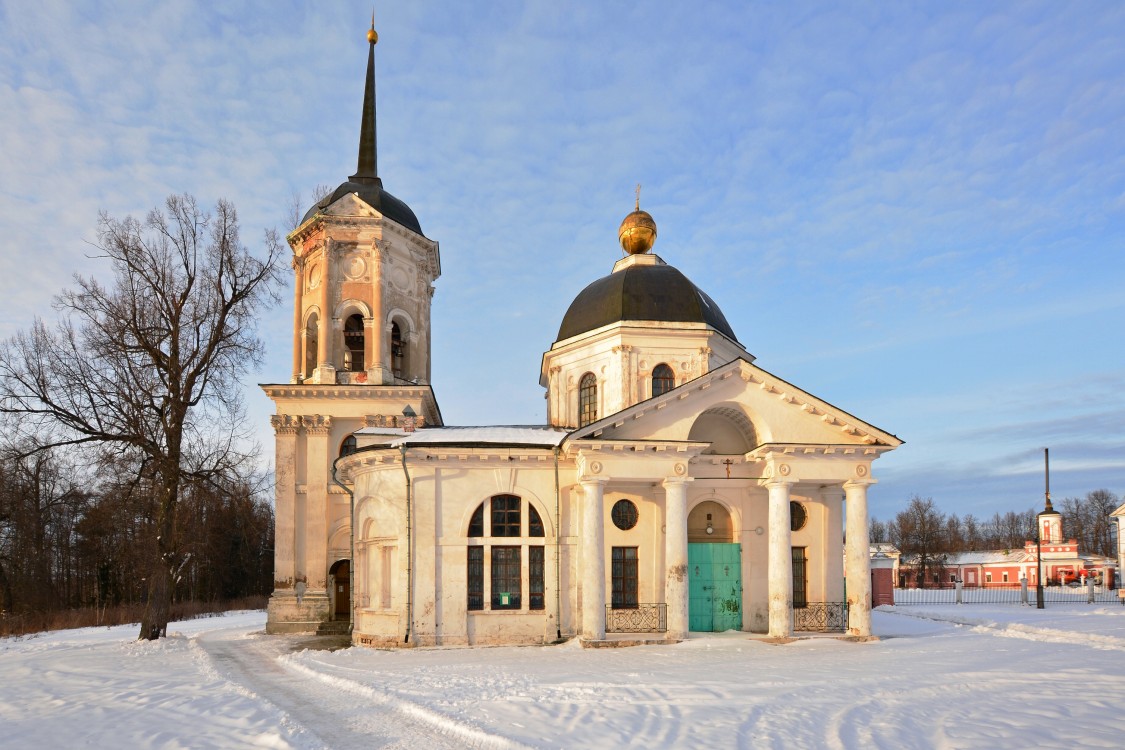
x=343, y=580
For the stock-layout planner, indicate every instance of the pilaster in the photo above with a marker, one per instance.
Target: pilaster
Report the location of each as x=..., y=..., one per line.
x=298, y=312
x=316, y=504
x=285, y=495
x=833, y=499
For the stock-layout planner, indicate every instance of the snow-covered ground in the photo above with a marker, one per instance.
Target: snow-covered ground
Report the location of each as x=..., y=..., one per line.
x=941, y=676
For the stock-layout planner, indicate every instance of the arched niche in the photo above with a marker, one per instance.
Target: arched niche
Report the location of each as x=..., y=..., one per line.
x=380, y=519
x=727, y=428
x=715, y=515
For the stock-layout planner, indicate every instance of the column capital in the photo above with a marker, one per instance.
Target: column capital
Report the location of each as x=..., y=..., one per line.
x=589, y=481
x=777, y=482
x=677, y=481
x=316, y=424
x=854, y=484
x=285, y=424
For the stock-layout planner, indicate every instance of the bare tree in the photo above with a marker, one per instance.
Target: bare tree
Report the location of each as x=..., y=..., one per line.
x=919, y=532
x=295, y=208
x=151, y=363
x=972, y=532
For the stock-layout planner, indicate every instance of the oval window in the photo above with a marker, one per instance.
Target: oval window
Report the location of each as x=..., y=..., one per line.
x=624, y=514
x=798, y=516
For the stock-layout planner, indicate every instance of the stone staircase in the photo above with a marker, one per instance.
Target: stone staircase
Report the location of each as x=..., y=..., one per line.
x=333, y=627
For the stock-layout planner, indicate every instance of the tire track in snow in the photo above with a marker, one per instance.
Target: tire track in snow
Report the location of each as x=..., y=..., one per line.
x=339, y=713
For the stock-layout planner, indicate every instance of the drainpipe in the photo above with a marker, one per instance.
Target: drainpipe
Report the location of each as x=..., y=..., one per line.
x=558, y=553
x=351, y=535
x=409, y=551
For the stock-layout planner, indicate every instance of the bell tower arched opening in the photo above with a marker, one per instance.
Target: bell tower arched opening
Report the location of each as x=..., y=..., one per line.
x=353, y=343
x=311, y=340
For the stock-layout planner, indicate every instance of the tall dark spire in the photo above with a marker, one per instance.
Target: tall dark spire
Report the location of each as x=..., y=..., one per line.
x=367, y=171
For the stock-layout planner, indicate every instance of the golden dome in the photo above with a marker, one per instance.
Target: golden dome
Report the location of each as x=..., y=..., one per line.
x=372, y=36
x=638, y=230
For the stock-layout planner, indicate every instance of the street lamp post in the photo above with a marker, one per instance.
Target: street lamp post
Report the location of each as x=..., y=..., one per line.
x=1039, y=532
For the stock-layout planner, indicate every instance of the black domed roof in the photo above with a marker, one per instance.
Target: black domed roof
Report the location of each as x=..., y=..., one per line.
x=642, y=292
x=373, y=194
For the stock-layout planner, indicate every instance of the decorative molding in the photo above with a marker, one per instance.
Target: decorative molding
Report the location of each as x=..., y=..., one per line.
x=316, y=424
x=285, y=424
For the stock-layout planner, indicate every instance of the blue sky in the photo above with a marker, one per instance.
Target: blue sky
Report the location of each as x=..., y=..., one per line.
x=915, y=211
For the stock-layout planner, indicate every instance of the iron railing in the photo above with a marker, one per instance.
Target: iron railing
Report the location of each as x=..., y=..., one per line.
x=643, y=618
x=1005, y=593
x=821, y=617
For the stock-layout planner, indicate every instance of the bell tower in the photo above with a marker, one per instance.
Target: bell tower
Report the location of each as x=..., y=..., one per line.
x=364, y=274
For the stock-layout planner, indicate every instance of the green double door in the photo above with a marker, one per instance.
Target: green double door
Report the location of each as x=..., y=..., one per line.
x=715, y=591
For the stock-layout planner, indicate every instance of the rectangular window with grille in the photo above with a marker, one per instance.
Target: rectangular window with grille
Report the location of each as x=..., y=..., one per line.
x=506, y=579
x=800, y=581
x=535, y=568
x=624, y=576
x=476, y=578
x=506, y=515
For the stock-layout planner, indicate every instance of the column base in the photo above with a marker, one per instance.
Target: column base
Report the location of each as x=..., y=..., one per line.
x=285, y=613
x=324, y=374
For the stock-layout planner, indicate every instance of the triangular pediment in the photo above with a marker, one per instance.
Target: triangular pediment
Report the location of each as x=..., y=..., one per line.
x=350, y=204
x=739, y=399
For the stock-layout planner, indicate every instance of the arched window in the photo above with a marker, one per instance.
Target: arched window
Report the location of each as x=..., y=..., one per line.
x=587, y=399
x=353, y=343
x=663, y=379
x=311, y=333
x=347, y=447
x=498, y=556
x=398, y=351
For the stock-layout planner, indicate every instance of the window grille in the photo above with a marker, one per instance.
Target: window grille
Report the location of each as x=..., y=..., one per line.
x=535, y=577
x=506, y=579
x=663, y=379
x=587, y=399
x=624, y=577
x=506, y=515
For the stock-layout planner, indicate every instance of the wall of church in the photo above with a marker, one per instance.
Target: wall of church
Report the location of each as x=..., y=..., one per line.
x=445, y=491
x=447, y=487
x=313, y=520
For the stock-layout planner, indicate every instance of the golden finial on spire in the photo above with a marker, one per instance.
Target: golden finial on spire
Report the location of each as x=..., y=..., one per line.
x=372, y=36
x=637, y=233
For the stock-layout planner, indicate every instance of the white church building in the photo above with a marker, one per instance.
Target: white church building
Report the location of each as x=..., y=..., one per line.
x=675, y=485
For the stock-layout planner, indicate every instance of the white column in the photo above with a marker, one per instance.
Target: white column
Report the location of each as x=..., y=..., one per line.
x=676, y=555
x=593, y=559
x=859, y=560
x=780, y=560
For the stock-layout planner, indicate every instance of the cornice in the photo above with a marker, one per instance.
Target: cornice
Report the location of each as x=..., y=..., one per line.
x=842, y=450
x=344, y=391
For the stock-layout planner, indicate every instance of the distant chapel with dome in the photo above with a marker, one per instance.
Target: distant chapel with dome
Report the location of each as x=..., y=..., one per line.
x=675, y=486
